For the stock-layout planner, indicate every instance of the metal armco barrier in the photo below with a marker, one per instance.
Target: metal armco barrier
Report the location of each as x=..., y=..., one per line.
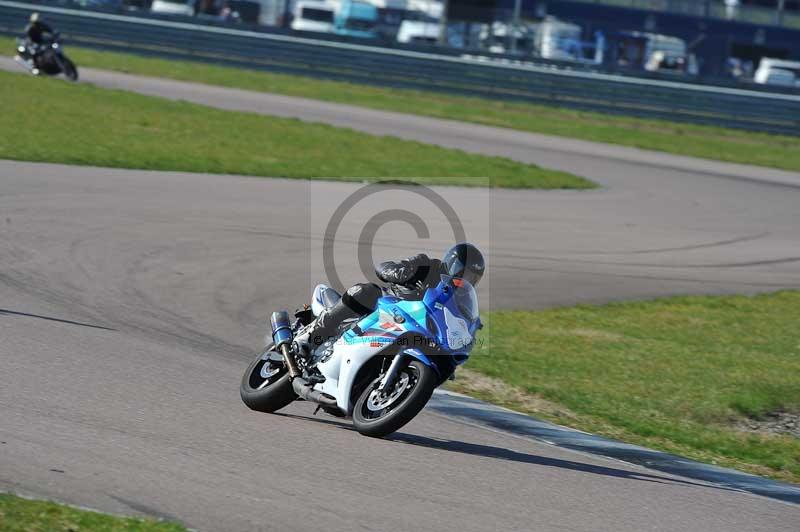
x=394, y=67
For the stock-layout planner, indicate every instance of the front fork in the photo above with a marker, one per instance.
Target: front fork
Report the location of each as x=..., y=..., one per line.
x=390, y=377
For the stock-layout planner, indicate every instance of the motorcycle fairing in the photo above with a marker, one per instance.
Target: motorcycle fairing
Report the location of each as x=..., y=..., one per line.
x=426, y=330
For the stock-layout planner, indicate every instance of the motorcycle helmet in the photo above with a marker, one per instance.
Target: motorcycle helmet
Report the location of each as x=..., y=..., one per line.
x=34, y=17
x=464, y=261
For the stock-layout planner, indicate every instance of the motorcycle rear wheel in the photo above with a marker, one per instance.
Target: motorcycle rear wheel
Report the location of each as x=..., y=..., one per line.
x=265, y=385
x=377, y=415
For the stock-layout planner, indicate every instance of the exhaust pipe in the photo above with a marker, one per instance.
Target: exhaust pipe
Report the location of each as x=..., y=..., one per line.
x=303, y=389
x=282, y=336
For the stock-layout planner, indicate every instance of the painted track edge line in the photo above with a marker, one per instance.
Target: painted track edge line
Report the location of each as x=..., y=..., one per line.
x=496, y=418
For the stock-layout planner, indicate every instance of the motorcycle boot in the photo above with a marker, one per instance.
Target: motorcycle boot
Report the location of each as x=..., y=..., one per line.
x=359, y=300
x=323, y=329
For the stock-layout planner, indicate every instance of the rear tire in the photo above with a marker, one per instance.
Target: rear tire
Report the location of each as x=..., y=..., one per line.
x=266, y=386
x=420, y=381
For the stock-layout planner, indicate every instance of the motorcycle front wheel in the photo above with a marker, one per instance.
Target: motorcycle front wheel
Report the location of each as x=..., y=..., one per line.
x=377, y=414
x=265, y=384
x=67, y=67
x=70, y=70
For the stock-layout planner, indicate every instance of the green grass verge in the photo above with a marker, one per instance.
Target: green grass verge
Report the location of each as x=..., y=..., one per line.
x=53, y=121
x=676, y=374
x=18, y=515
x=684, y=139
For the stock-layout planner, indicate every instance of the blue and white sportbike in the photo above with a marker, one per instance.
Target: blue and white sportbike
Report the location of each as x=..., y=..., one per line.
x=380, y=369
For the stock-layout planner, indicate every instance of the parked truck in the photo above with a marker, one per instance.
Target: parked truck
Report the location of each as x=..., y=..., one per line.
x=313, y=15
x=778, y=72
x=356, y=19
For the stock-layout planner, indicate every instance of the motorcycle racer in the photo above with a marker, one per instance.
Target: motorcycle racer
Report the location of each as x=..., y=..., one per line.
x=36, y=32
x=407, y=279
x=37, y=29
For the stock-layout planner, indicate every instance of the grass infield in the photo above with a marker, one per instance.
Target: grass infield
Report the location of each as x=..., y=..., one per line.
x=706, y=142
x=678, y=374
x=18, y=515
x=49, y=120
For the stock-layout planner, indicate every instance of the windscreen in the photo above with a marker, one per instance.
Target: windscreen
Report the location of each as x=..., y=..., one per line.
x=359, y=25
x=425, y=40
x=466, y=299
x=318, y=15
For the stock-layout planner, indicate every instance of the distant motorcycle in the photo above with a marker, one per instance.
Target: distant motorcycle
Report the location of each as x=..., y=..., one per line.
x=47, y=58
x=381, y=369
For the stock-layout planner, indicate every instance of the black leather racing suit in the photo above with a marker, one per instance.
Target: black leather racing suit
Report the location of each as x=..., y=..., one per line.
x=407, y=279
x=36, y=31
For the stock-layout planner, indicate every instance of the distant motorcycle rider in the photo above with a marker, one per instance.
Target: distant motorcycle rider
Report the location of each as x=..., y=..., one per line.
x=37, y=29
x=407, y=279
x=38, y=33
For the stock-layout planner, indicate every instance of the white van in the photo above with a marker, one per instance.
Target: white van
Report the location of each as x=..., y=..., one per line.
x=173, y=7
x=495, y=37
x=559, y=40
x=778, y=72
x=311, y=15
x=668, y=54
x=418, y=32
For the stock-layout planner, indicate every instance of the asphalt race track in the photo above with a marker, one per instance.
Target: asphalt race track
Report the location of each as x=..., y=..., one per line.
x=131, y=301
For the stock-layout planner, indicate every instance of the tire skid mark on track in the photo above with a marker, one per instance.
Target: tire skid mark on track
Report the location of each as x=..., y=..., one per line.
x=589, y=252
x=746, y=264
x=594, y=273
x=195, y=449
x=7, y=312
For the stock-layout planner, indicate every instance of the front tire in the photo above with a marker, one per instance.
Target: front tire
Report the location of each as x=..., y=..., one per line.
x=377, y=415
x=67, y=67
x=70, y=70
x=266, y=386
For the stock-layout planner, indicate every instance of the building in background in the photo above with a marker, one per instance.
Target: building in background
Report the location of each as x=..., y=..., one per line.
x=706, y=38
x=758, y=29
